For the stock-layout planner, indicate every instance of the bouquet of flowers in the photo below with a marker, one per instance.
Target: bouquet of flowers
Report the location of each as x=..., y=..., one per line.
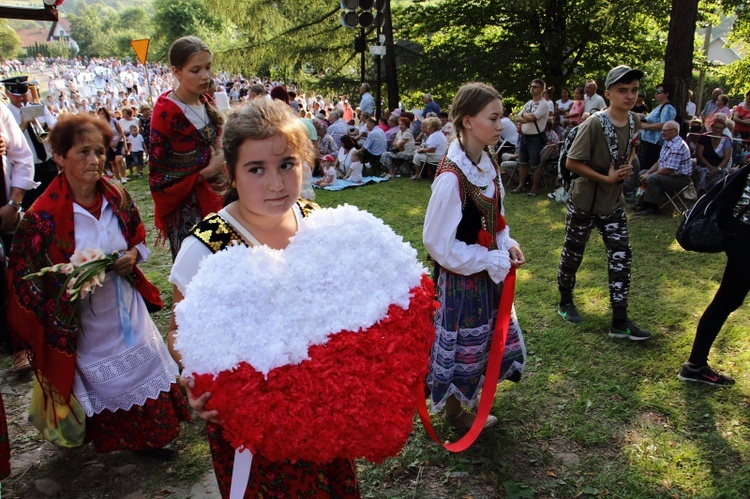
x=85, y=272
x=313, y=352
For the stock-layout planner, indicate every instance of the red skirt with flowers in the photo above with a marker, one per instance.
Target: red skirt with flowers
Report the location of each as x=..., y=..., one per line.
x=149, y=426
x=336, y=479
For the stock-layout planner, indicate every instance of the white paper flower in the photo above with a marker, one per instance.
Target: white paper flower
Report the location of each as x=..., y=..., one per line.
x=341, y=271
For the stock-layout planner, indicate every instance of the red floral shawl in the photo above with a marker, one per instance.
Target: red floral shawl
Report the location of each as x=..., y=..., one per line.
x=46, y=236
x=178, y=153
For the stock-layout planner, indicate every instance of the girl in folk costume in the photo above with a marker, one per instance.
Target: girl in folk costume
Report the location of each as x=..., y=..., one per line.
x=466, y=235
x=265, y=147
x=185, y=155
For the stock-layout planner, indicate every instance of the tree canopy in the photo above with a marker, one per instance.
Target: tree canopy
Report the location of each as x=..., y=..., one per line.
x=439, y=44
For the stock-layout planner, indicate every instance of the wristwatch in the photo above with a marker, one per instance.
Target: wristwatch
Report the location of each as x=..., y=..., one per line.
x=15, y=205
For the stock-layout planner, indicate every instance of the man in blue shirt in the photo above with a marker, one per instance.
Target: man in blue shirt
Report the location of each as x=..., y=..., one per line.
x=367, y=104
x=430, y=106
x=375, y=144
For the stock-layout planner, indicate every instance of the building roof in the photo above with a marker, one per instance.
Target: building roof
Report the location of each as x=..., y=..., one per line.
x=29, y=36
x=719, y=51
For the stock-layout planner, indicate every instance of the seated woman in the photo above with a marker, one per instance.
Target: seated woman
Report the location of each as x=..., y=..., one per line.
x=268, y=138
x=433, y=146
x=344, y=157
x=713, y=154
x=79, y=353
x=402, y=148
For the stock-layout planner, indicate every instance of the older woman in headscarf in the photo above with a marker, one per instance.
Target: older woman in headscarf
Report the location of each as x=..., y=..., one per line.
x=105, y=353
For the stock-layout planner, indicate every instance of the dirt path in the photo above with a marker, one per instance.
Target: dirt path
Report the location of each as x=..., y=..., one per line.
x=40, y=469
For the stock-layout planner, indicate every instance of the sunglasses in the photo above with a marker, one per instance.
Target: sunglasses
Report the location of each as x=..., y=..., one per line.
x=660, y=91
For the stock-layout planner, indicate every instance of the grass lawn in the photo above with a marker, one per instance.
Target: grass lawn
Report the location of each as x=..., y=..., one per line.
x=593, y=416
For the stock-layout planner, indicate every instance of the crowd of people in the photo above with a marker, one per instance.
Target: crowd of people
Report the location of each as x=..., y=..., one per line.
x=222, y=176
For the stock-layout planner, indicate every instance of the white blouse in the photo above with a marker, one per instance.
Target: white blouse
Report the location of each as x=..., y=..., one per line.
x=444, y=214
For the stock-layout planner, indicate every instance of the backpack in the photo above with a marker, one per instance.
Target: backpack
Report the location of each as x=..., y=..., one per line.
x=706, y=226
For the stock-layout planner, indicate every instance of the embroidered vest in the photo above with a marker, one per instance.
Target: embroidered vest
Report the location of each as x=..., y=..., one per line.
x=478, y=211
x=216, y=234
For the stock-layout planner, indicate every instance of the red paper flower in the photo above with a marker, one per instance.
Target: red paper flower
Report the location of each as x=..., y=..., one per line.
x=353, y=398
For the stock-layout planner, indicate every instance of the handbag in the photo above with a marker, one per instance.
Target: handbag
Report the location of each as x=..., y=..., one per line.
x=63, y=424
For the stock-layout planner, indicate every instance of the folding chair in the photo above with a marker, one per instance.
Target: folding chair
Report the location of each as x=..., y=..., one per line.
x=681, y=200
x=547, y=161
x=426, y=168
x=512, y=167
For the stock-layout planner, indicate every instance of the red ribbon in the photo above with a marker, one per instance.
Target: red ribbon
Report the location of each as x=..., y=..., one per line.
x=490, y=378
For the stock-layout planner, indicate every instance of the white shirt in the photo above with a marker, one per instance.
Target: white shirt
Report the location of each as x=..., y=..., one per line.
x=540, y=109
x=18, y=162
x=47, y=118
x=444, y=214
x=345, y=159
x=356, y=172
x=510, y=132
x=136, y=143
x=563, y=106
x=690, y=109
x=439, y=141
x=594, y=102
x=126, y=124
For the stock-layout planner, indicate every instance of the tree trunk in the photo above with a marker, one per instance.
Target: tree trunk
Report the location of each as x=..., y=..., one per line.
x=678, y=59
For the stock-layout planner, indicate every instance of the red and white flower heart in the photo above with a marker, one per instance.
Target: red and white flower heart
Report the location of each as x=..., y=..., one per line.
x=313, y=352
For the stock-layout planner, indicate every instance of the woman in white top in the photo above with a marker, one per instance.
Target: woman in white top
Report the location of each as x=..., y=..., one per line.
x=433, y=146
x=344, y=157
x=106, y=353
x=403, y=147
x=562, y=106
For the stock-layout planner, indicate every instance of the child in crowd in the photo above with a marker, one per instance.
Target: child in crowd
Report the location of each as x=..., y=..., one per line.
x=329, y=172
x=355, y=170
x=466, y=235
x=135, y=148
x=275, y=144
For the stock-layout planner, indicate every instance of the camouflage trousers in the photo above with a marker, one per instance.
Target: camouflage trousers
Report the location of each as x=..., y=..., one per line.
x=614, y=231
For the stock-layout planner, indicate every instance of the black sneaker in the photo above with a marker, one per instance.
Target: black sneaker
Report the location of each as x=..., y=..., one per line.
x=630, y=331
x=569, y=312
x=704, y=375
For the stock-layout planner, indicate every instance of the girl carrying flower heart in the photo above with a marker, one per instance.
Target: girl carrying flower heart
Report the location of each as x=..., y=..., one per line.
x=265, y=147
